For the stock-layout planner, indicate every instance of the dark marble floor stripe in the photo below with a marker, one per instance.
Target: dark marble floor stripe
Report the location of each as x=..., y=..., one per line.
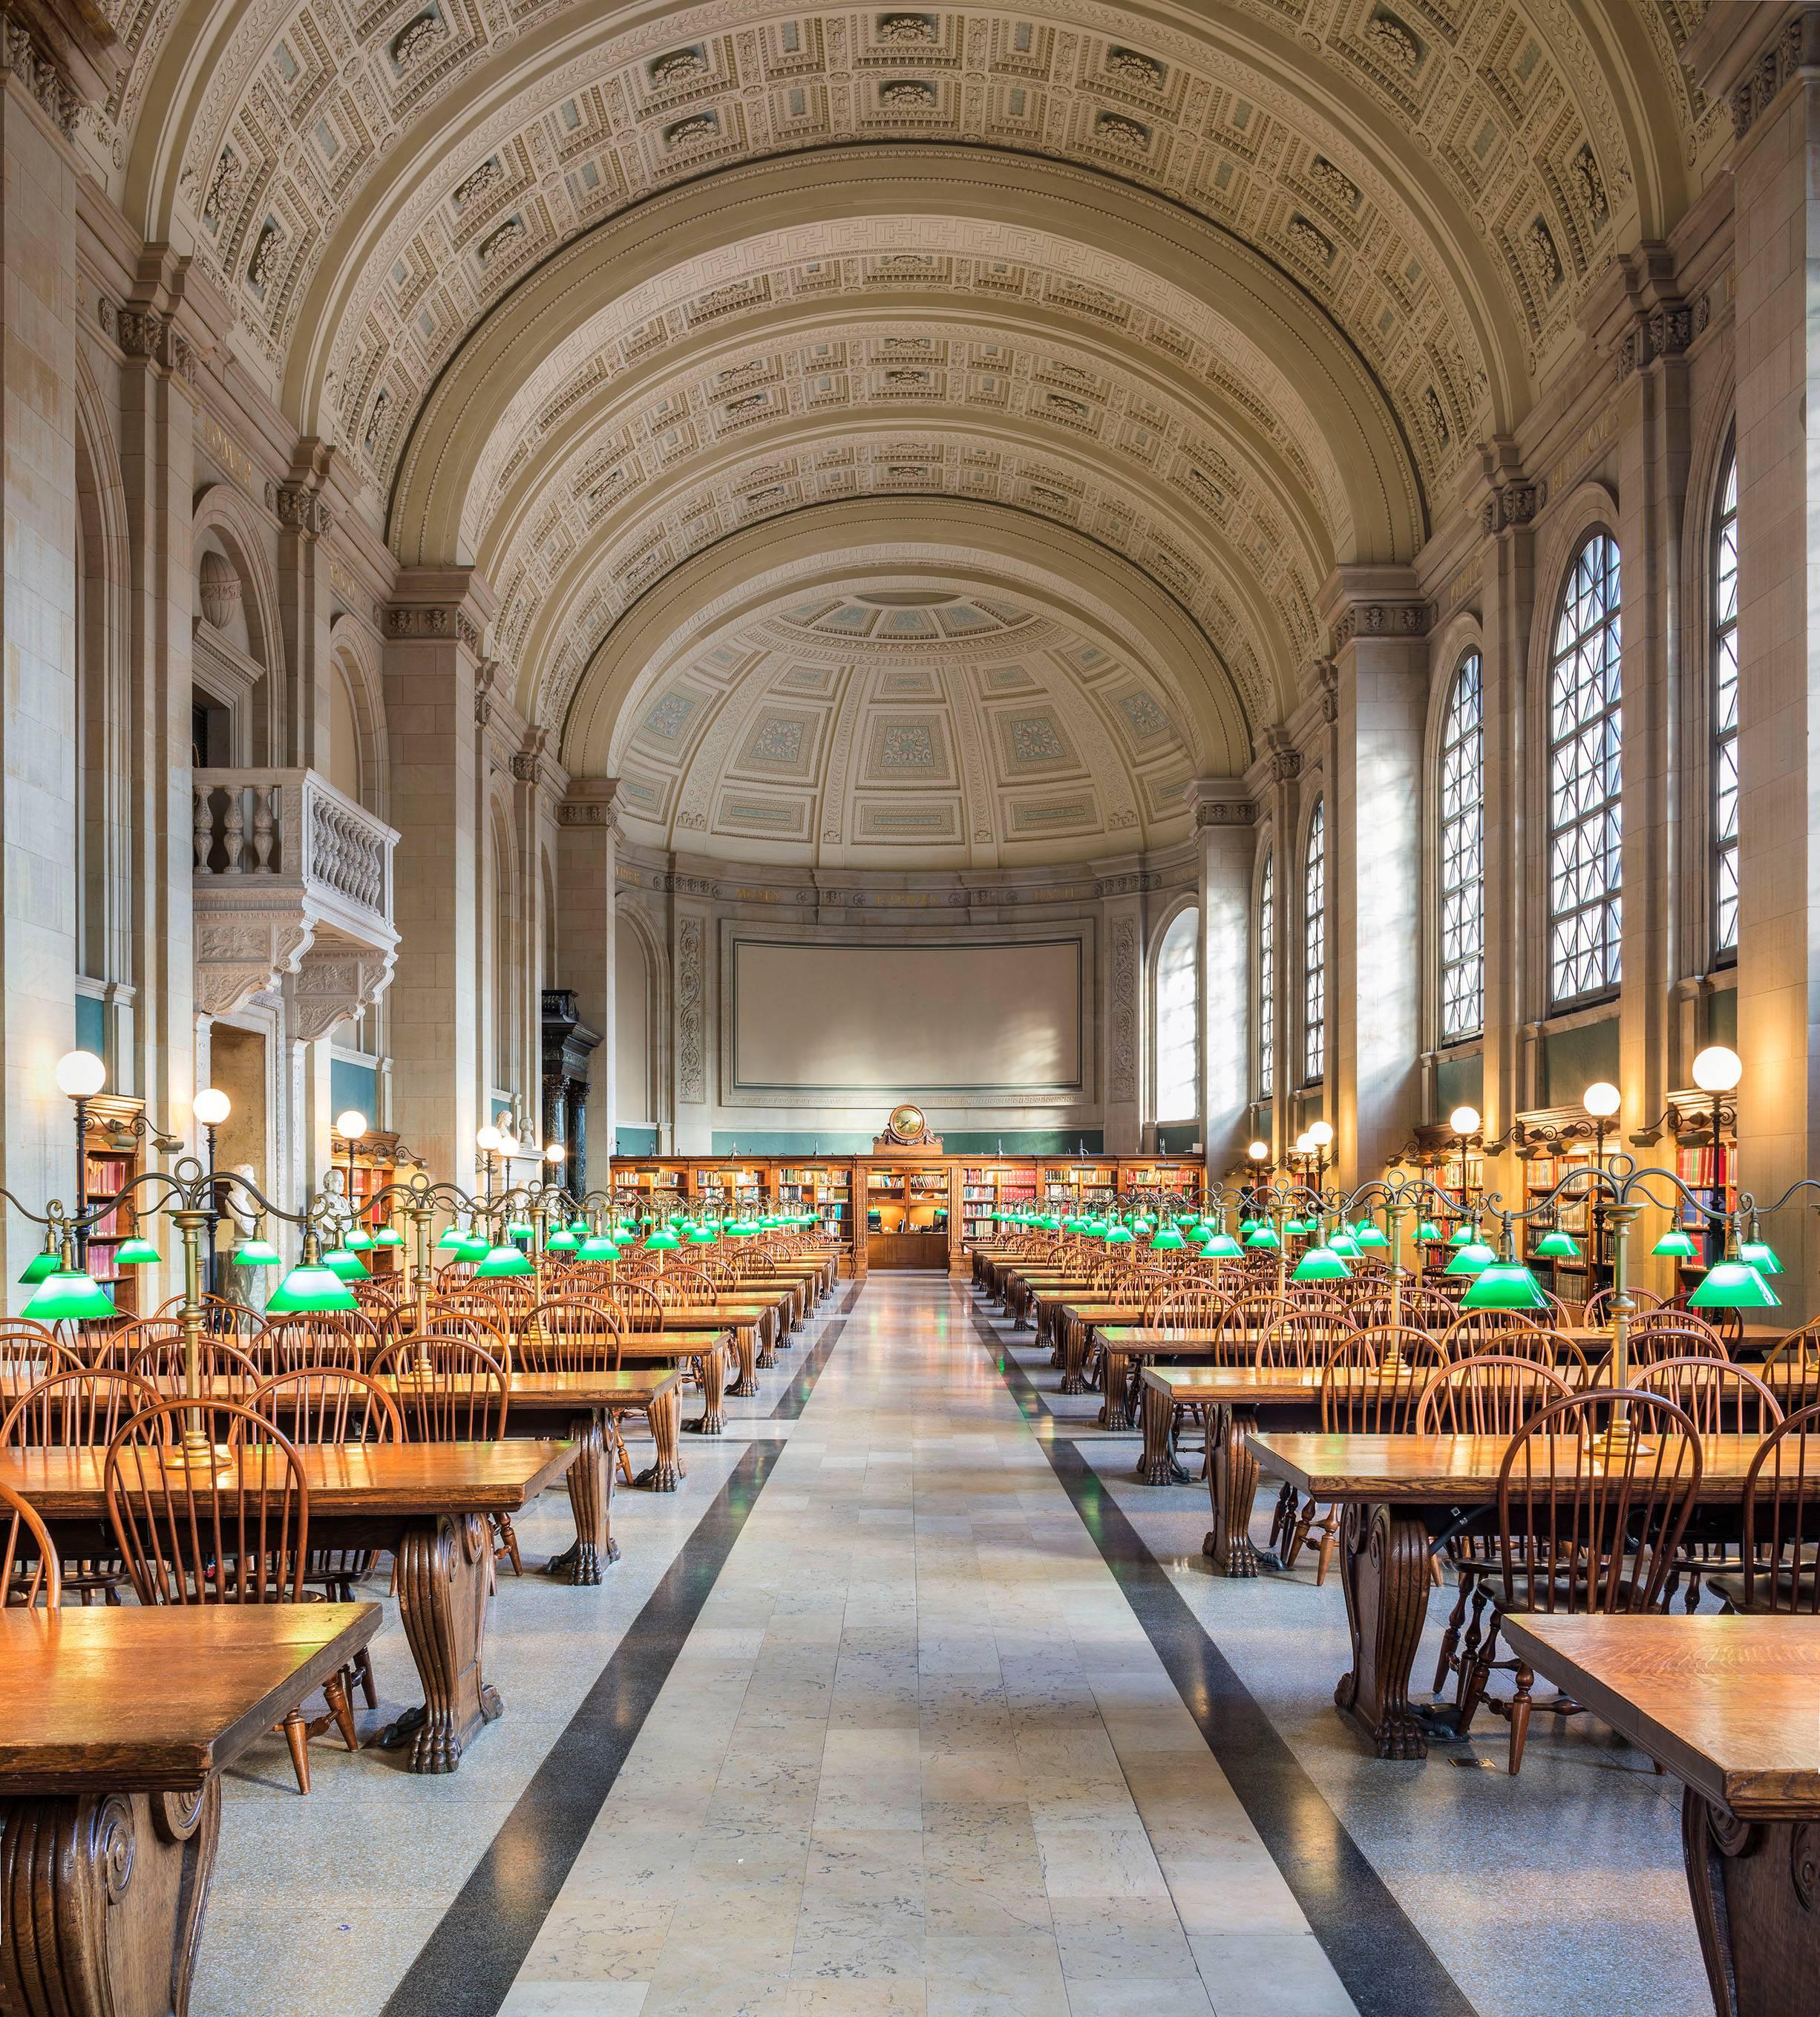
x=795, y=1397
x=1389, y=1969
x=469, y=1963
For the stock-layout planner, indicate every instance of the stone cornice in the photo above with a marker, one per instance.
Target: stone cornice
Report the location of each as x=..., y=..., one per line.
x=1381, y=619
x=449, y=604
x=588, y=802
x=60, y=56
x=1795, y=47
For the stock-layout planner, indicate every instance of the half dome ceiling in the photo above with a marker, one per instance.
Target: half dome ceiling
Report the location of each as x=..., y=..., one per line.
x=908, y=726
x=579, y=295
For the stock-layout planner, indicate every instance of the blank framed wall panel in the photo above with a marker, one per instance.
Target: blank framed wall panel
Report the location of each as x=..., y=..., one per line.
x=978, y=1018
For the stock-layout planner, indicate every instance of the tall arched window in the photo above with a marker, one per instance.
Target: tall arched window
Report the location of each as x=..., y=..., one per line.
x=1725, y=715
x=1267, y=1016
x=1585, y=736
x=1314, y=947
x=1462, y=851
x=1178, y=1017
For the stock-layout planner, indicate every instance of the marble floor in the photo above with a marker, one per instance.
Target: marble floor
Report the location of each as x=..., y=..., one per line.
x=877, y=1715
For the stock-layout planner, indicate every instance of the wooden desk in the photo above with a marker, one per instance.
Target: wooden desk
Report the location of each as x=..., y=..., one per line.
x=427, y=1503
x=118, y=1725
x=1397, y=1490
x=1076, y=1322
x=579, y=1406
x=1233, y=1396
x=1730, y=1706
x=741, y=1317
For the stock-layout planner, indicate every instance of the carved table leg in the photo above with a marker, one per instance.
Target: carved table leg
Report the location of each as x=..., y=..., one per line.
x=665, y=1415
x=1114, y=1410
x=1383, y=1557
x=590, y=1483
x=712, y=1366
x=442, y=1599
x=1232, y=1484
x=1158, y=1465
x=104, y=1895
x=768, y=1331
x=745, y=1344
x=1754, y=1888
x=1074, y=1355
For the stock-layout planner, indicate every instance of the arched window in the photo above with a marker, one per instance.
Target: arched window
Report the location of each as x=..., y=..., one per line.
x=1267, y=1016
x=1178, y=1012
x=1462, y=851
x=1725, y=715
x=1314, y=947
x=1585, y=736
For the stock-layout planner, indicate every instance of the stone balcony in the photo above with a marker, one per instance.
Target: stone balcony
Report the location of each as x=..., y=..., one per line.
x=293, y=896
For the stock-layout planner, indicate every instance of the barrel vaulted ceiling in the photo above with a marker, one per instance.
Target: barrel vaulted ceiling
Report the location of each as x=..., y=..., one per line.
x=1228, y=294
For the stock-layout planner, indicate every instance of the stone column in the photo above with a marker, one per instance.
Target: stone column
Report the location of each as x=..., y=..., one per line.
x=432, y=655
x=38, y=580
x=1223, y=826
x=1285, y=775
x=303, y=604
x=1774, y=93
x=1373, y=845
x=587, y=879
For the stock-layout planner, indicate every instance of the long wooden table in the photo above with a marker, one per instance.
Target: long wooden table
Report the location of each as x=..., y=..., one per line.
x=1396, y=1491
x=1730, y=1706
x=580, y=1405
x=118, y=1723
x=427, y=1503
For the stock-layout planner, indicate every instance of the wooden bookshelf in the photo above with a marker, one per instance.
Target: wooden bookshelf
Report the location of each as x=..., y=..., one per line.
x=111, y=1159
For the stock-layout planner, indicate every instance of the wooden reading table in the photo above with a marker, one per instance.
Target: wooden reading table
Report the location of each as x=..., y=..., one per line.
x=1731, y=1707
x=118, y=1724
x=426, y=1503
x=1396, y=1491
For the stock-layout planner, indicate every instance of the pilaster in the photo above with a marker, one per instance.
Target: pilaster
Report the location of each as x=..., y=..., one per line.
x=433, y=630
x=587, y=876
x=1225, y=827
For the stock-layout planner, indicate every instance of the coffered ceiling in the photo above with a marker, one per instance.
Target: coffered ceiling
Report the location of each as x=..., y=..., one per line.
x=1227, y=294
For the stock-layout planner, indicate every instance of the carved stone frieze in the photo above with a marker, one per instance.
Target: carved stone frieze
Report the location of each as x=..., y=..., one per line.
x=429, y=620
x=1664, y=332
x=143, y=333
x=1381, y=619
x=1285, y=765
x=1511, y=505
x=301, y=507
x=1225, y=812
x=331, y=987
x=691, y=1066
x=1796, y=47
x=1123, y=1080
x=20, y=53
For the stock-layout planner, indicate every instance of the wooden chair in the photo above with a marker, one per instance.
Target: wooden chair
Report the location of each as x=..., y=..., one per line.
x=1552, y=1348
x=1667, y=1333
x=1781, y=1523
x=26, y=1356
x=82, y=1409
x=329, y=1407
x=226, y=1372
x=221, y=1317
x=29, y=1568
x=1598, y=1304
x=1583, y=1529
x=1425, y=1308
x=1303, y=1337
x=347, y=1338
x=572, y=1334
x=1483, y=1330
x=1371, y=1385
x=640, y=1305
x=1792, y=1369
x=188, y=1537
x=450, y=1391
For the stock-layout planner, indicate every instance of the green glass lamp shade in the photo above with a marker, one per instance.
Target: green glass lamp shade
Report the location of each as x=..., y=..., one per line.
x=1506, y=1285
x=1760, y=1255
x=1465, y=1234
x=518, y=1229
x=453, y=1241
x=1678, y=1244
x=561, y=1241
x=1557, y=1245
x=135, y=1253
x=1343, y=1244
x=1428, y=1231
x=623, y=1236
x=70, y=1292
x=310, y=1289
x=388, y=1235
x=580, y=1227
x=348, y=1266
x=1729, y=1285
x=256, y=1254
x=702, y=1236
x=598, y=1247
x=1262, y=1235
x=1247, y=1226
x=1142, y=1223
x=1222, y=1247
x=502, y=1261
x=475, y=1247
x=1296, y=1229
x=358, y=1240
x=1167, y=1241
x=1370, y=1235
x=41, y=1265
x=1321, y=1264
x=1118, y=1235
x=663, y=1240
x=1472, y=1259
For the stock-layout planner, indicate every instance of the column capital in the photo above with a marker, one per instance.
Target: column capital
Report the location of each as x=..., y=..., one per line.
x=534, y=762
x=441, y=605
x=1220, y=802
x=1748, y=53
x=588, y=802
x=1363, y=602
